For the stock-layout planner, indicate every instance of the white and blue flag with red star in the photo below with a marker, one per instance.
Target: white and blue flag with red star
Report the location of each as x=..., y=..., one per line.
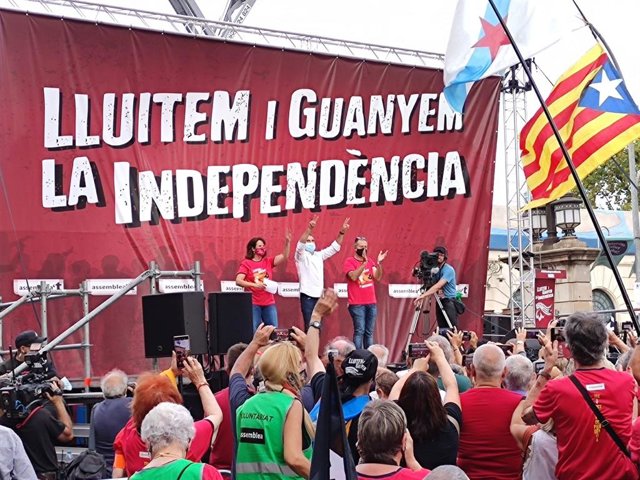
x=478, y=45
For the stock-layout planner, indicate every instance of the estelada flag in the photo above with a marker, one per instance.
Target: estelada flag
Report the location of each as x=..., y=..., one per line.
x=596, y=117
x=332, y=457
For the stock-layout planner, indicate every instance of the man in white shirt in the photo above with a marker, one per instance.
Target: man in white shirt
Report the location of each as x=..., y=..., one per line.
x=310, y=265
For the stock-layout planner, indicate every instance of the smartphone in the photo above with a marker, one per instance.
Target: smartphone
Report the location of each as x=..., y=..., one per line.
x=533, y=334
x=468, y=359
x=182, y=347
x=538, y=365
x=466, y=335
x=418, y=350
x=557, y=333
x=281, y=334
x=507, y=348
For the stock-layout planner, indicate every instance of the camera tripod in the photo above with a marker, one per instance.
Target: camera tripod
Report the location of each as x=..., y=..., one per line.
x=419, y=311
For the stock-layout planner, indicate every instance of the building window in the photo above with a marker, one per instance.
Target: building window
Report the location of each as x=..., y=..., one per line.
x=602, y=301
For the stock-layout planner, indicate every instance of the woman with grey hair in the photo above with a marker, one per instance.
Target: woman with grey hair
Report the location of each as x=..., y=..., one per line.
x=167, y=430
x=383, y=441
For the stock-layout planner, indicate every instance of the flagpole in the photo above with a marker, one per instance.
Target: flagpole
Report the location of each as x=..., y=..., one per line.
x=572, y=168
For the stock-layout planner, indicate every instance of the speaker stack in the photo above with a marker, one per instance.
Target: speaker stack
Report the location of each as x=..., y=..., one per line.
x=169, y=314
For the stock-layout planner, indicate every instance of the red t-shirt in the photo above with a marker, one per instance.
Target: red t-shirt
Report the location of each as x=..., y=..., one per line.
x=129, y=444
x=584, y=453
x=400, y=474
x=487, y=450
x=362, y=290
x=256, y=272
x=222, y=451
x=634, y=443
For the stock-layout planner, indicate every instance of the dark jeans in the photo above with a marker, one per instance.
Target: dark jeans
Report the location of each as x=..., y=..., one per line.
x=364, y=324
x=450, y=309
x=264, y=314
x=307, y=305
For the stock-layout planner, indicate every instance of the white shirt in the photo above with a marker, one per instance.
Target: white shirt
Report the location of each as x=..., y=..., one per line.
x=311, y=268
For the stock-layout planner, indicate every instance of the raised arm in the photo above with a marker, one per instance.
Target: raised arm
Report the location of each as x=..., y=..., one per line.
x=212, y=410
x=343, y=230
x=282, y=257
x=245, y=360
x=419, y=364
x=326, y=305
x=312, y=224
x=434, y=289
x=377, y=271
x=550, y=355
x=448, y=377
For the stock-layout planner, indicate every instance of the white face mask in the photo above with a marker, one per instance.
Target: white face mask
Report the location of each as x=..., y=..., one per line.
x=310, y=247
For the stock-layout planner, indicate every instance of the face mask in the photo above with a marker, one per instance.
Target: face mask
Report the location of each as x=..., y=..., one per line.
x=310, y=247
x=360, y=251
x=261, y=251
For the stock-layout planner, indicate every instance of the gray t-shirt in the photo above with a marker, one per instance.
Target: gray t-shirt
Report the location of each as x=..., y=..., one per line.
x=14, y=463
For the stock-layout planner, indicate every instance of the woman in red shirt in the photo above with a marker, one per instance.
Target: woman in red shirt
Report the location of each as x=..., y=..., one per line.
x=255, y=271
x=131, y=453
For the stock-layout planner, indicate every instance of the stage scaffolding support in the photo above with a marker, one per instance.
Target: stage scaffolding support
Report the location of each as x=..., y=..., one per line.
x=519, y=245
x=43, y=293
x=201, y=27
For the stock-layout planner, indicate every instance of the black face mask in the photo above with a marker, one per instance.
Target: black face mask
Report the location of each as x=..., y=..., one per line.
x=360, y=251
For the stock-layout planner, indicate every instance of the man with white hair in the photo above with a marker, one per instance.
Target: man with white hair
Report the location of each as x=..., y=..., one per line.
x=487, y=450
x=382, y=354
x=109, y=416
x=341, y=347
x=520, y=374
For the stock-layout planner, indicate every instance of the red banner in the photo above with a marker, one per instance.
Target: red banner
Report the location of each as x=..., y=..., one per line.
x=124, y=146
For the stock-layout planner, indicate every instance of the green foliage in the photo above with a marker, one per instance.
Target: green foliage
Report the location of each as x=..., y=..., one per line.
x=607, y=186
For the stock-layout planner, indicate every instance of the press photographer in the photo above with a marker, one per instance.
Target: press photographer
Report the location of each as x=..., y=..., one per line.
x=22, y=410
x=439, y=278
x=23, y=343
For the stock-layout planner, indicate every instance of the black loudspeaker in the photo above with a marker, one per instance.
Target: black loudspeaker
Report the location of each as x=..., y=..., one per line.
x=169, y=314
x=230, y=320
x=497, y=324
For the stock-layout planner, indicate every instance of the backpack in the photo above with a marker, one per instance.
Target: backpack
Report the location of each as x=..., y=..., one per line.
x=89, y=465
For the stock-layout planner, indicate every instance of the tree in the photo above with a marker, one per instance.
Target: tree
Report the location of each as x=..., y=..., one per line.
x=607, y=186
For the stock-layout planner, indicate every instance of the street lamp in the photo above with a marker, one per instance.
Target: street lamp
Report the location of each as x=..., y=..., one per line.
x=538, y=218
x=567, y=214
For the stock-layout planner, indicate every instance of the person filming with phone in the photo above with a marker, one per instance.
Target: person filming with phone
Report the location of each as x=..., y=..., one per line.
x=445, y=287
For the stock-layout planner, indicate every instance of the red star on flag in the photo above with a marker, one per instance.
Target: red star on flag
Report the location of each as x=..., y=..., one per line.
x=494, y=37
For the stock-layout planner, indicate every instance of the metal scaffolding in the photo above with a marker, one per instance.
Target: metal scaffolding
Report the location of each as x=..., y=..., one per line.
x=200, y=27
x=519, y=244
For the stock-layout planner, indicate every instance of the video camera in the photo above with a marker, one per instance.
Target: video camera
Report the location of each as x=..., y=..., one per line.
x=20, y=394
x=426, y=269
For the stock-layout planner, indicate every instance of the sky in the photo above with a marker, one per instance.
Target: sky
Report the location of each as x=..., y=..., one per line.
x=425, y=25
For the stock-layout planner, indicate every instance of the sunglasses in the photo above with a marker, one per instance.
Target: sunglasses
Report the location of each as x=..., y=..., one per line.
x=360, y=238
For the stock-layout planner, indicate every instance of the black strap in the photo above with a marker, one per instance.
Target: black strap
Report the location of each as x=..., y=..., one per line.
x=603, y=421
x=182, y=471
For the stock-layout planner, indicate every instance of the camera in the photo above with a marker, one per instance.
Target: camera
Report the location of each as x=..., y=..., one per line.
x=426, y=268
x=466, y=335
x=418, y=350
x=21, y=394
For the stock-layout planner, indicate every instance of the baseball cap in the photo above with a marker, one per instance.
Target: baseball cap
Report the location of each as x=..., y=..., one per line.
x=440, y=249
x=359, y=366
x=24, y=339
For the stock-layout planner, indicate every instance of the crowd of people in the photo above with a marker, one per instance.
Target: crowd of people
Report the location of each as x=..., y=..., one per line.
x=463, y=409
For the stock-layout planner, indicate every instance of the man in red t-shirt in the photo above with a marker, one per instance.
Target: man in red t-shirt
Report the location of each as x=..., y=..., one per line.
x=361, y=272
x=585, y=449
x=486, y=449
